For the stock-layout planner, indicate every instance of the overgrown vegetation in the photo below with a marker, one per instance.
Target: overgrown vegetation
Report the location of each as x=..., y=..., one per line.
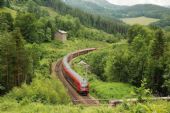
x=28, y=48
x=108, y=25
x=144, y=56
x=15, y=63
x=8, y=106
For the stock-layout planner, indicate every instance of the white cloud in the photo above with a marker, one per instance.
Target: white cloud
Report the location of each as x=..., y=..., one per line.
x=133, y=2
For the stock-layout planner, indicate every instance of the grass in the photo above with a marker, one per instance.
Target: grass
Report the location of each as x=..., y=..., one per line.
x=11, y=106
x=72, y=45
x=111, y=90
x=8, y=10
x=139, y=20
x=105, y=90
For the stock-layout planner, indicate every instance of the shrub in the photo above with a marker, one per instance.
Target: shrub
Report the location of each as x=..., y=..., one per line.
x=44, y=90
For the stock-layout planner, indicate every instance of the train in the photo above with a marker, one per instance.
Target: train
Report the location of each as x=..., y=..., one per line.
x=80, y=84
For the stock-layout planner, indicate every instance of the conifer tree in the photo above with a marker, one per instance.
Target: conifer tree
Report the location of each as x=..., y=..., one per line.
x=158, y=45
x=22, y=63
x=2, y=3
x=156, y=62
x=7, y=3
x=15, y=61
x=7, y=51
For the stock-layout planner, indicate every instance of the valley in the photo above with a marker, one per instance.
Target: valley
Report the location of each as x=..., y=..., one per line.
x=153, y=13
x=131, y=58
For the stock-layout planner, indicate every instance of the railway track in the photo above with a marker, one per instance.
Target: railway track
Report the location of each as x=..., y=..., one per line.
x=88, y=100
x=75, y=97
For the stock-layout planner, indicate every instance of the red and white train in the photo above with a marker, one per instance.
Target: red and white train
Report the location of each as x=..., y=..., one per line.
x=80, y=84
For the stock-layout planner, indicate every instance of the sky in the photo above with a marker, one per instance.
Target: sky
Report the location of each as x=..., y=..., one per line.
x=133, y=2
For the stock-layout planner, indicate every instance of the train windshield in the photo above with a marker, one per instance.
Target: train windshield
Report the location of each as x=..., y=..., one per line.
x=84, y=83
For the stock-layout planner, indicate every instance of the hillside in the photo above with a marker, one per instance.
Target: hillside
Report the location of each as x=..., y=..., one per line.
x=147, y=10
x=112, y=26
x=104, y=8
x=95, y=3
x=8, y=10
x=87, y=6
x=99, y=7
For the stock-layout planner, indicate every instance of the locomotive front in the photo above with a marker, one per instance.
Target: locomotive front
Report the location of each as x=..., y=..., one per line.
x=79, y=83
x=84, y=90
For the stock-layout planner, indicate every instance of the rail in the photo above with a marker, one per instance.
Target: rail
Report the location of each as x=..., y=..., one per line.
x=89, y=100
x=86, y=100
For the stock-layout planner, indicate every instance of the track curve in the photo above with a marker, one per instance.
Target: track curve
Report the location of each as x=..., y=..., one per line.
x=75, y=97
x=88, y=100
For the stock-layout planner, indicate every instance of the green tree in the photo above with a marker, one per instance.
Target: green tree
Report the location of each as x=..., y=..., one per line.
x=117, y=66
x=45, y=30
x=158, y=45
x=167, y=77
x=26, y=22
x=2, y=3
x=68, y=23
x=6, y=21
x=7, y=3
x=33, y=8
x=23, y=61
x=15, y=61
x=139, y=54
x=100, y=59
x=167, y=69
x=156, y=64
x=7, y=54
x=36, y=54
x=136, y=30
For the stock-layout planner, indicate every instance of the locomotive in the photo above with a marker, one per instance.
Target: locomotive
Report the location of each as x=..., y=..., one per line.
x=79, y=83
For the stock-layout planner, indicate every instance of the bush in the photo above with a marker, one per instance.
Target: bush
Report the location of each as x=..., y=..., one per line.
x=93, y=34
x=114, y=90
x=43, y=90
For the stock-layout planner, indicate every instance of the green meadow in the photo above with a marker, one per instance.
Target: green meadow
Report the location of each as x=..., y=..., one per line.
x=139, y=20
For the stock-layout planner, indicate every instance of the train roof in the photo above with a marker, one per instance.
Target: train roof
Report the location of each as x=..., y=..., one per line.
x=66, y=64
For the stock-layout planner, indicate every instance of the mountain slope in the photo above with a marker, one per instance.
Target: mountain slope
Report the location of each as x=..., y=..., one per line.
x=113, y=26
x=96, y=3
x=105, y=4
x=147, y=10
x=99, y=7
x=104, y=8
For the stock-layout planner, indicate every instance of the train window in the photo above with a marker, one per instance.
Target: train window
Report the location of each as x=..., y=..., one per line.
x=84, y=82
x=84, y=86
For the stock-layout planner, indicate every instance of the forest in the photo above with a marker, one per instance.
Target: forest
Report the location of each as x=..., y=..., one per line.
x=144, y=56
x=130, y=61
x=104, y=9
